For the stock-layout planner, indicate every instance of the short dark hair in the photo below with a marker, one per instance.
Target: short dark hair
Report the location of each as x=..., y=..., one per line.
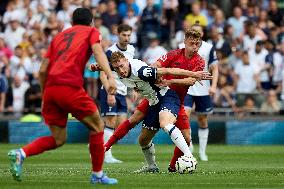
x=123, y=27
x=82, y=16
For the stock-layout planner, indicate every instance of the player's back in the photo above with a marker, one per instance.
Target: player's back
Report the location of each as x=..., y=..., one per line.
x=68, y=54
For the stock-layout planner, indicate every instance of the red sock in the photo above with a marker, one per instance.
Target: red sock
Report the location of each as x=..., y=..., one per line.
x=177, y=153
x=119, y=133
x=97, y=151
x=40, y=145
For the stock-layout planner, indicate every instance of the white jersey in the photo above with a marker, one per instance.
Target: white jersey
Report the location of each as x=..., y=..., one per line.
x=142, y=78
x=207, y=52
x=129, y=54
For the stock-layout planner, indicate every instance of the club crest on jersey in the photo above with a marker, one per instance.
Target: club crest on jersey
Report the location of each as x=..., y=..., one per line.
x=147, y=72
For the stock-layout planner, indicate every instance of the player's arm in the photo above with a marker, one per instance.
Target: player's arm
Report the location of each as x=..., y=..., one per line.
x=103, y=63
x=43, y=73
x=189, y=81
x=200, y=75
x=215, y=75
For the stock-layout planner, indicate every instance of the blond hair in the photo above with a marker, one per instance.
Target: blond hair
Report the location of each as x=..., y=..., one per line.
x=116, y=57
x=193, y=33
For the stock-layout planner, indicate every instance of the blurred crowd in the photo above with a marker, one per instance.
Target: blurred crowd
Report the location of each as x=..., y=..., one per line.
x=248, y=36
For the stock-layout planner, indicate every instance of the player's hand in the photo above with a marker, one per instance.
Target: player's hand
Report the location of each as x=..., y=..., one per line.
x=94, y=67
x=111, y=100
x=164, y=83
x=111, y=86
x=202, y=75
x=191, y=81
x=212, y=91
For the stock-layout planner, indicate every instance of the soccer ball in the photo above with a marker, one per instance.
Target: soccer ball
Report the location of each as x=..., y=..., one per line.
x=186, y=164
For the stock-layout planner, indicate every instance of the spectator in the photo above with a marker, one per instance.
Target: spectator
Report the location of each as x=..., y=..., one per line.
x=111, y=16
x=14, y=32
x=272, y=104
x=132, y=21
x=150, y=23
x=169, y=13
x=219, y=20
x=196, y=16
x=92, y=83
x=21, y=64
x=104, y=31
x=4, y=50
x=257, y=58
x=250, y=37
x=64, y=15
x=3, y=91
x=19, y=88
x=264, y=23
x=154, y=51
x=124, y=6
x=219, y=42
x=237, y=22
x=274, y=13
x=247, y=80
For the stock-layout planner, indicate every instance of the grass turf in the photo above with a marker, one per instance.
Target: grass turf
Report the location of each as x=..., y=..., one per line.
x=228, y=167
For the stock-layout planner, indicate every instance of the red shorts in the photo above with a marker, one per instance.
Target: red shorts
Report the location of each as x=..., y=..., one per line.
x=58, y=101
x=182, y=119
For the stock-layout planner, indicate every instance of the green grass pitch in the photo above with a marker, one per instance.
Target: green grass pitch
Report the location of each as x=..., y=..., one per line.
x=228, y=167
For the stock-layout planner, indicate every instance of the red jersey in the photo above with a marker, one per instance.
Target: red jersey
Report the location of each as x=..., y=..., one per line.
x=68, y=54
x=176, y=59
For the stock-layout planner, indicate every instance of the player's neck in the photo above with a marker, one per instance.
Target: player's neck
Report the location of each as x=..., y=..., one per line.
x=121, y=47
x=188, y=55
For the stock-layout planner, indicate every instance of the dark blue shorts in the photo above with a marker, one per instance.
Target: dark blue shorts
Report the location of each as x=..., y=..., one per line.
x=170, y=103
x=119, y=108
x=203, y=104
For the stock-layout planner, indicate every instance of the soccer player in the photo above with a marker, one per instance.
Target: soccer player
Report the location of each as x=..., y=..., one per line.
x=164, y=103
x=186, y=58
x=61, y=81
x=114, y=107
x=200, y=95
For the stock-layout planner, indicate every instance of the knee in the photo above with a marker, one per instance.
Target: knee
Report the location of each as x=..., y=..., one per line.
x=143, y=141
x=202, y=120
x=110, y=121
x=60, y=141
x=136, y=118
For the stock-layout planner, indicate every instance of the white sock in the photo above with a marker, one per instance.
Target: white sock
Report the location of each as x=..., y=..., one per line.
x=203, y=138
x=178, y=138
x=98, y=174
x=23, y=153
x=108, y=131
x=149, y=154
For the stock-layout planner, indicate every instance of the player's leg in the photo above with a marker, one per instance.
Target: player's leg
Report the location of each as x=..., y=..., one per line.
x=121, y=111
x=148, y=149
x=183, y=124
x=84, y=109
x=54, y=116
x=109, y=114
x=170, y=105
x=203, y=132
x=126, y=126
x=203, y=109
x=188, y=104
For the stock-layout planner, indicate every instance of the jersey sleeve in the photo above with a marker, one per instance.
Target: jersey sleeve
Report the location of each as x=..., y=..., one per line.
x=143, y=71
x=147, y=73
x=95, y=36
x=212, y=57
x=166, y=59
